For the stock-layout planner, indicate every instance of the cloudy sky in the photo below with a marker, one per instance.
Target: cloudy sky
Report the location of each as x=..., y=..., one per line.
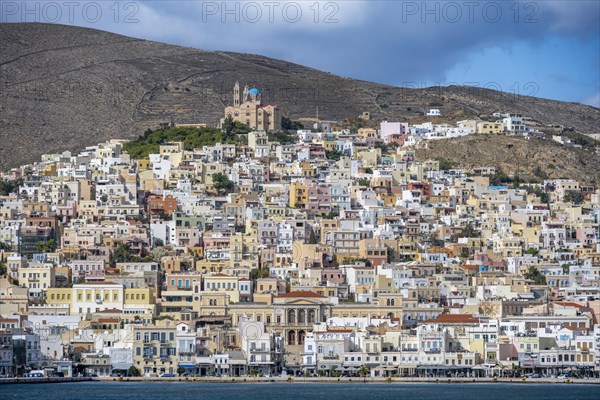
x=544, y=48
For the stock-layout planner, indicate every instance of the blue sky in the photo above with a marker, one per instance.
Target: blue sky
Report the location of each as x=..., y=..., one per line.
x=546, y=48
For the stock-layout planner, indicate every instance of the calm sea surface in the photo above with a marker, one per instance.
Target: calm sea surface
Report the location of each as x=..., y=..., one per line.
x=308, y=391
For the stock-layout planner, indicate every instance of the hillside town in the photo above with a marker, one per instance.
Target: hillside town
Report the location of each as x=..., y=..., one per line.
x=296, y=251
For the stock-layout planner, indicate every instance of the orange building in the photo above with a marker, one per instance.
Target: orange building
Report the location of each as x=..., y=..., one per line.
x=166, y=205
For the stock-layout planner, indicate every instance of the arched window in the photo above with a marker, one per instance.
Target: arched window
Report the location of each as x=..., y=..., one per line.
x=301, y=337
x=302, y=316
x=292, y=337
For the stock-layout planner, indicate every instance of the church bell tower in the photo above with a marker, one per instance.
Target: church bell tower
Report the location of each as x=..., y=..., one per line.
x=236, y=94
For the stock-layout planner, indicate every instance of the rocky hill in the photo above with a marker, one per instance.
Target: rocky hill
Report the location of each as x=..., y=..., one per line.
x=64, y=87
x=532, y=160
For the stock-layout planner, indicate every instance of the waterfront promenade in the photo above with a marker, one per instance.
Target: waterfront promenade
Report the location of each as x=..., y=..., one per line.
x=307, y=380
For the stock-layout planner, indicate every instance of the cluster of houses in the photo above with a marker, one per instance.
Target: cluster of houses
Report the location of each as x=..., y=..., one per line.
x=328, y=256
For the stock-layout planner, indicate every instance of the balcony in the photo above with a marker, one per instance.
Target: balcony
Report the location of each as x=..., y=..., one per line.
x=265, y=350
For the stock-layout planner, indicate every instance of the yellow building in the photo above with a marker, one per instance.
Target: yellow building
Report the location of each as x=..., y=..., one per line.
x=86, y=298
x=243, y=251
x=155, y=348
x=490, y=127
x=37, y=278
x=298, y=195
x=223, y=283
x=88, y=210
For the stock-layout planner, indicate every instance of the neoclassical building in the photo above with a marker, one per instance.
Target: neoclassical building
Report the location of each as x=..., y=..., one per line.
x=248, y=109
x=293, y=315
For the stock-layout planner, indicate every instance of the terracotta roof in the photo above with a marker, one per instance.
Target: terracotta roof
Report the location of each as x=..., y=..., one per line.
x=569, y=304
x=108, y=319
x=300, y=293
x=453, y=319
x=438, y=250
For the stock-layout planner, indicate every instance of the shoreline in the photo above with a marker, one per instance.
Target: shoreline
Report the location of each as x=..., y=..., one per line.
x=5, y=381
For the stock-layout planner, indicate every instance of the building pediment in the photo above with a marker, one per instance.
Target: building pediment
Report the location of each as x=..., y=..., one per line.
x=301, y=302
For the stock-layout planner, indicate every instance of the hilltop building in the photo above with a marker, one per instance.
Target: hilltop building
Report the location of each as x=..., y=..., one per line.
x=249, y=109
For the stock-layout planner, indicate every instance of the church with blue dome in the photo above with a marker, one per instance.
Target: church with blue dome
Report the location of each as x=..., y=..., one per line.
x=249, y=109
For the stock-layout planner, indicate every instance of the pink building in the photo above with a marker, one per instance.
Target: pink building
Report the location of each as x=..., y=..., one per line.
x=267, y=233
x=585, y=236
x=216, y=247
x=391, y=131
x=319, y=197
x=333, y=276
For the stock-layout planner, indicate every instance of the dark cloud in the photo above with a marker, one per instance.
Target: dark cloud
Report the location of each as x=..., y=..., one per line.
x=383, y=41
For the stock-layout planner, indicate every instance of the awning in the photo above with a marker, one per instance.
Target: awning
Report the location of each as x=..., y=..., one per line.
x=187, y=366
x=443, y=367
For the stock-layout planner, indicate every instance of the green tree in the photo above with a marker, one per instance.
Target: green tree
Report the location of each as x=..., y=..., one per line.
x=363, y=182
x=180, y=371
x=192, y=138
x=7, y=186
x=364, y=371
x=573, y=196
x=516, y=182
x=221, y=183
x=332, y=214
x=122, y=253
x=532, y=251
x=499, y=178
x=133, y=371
x=535, y=275
x=284, y=137
x=228, y=125
x=333, y=155
x=46, y=247
x=259, y=273
x=289, y=125
x=445, y=164
x=231, y=128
